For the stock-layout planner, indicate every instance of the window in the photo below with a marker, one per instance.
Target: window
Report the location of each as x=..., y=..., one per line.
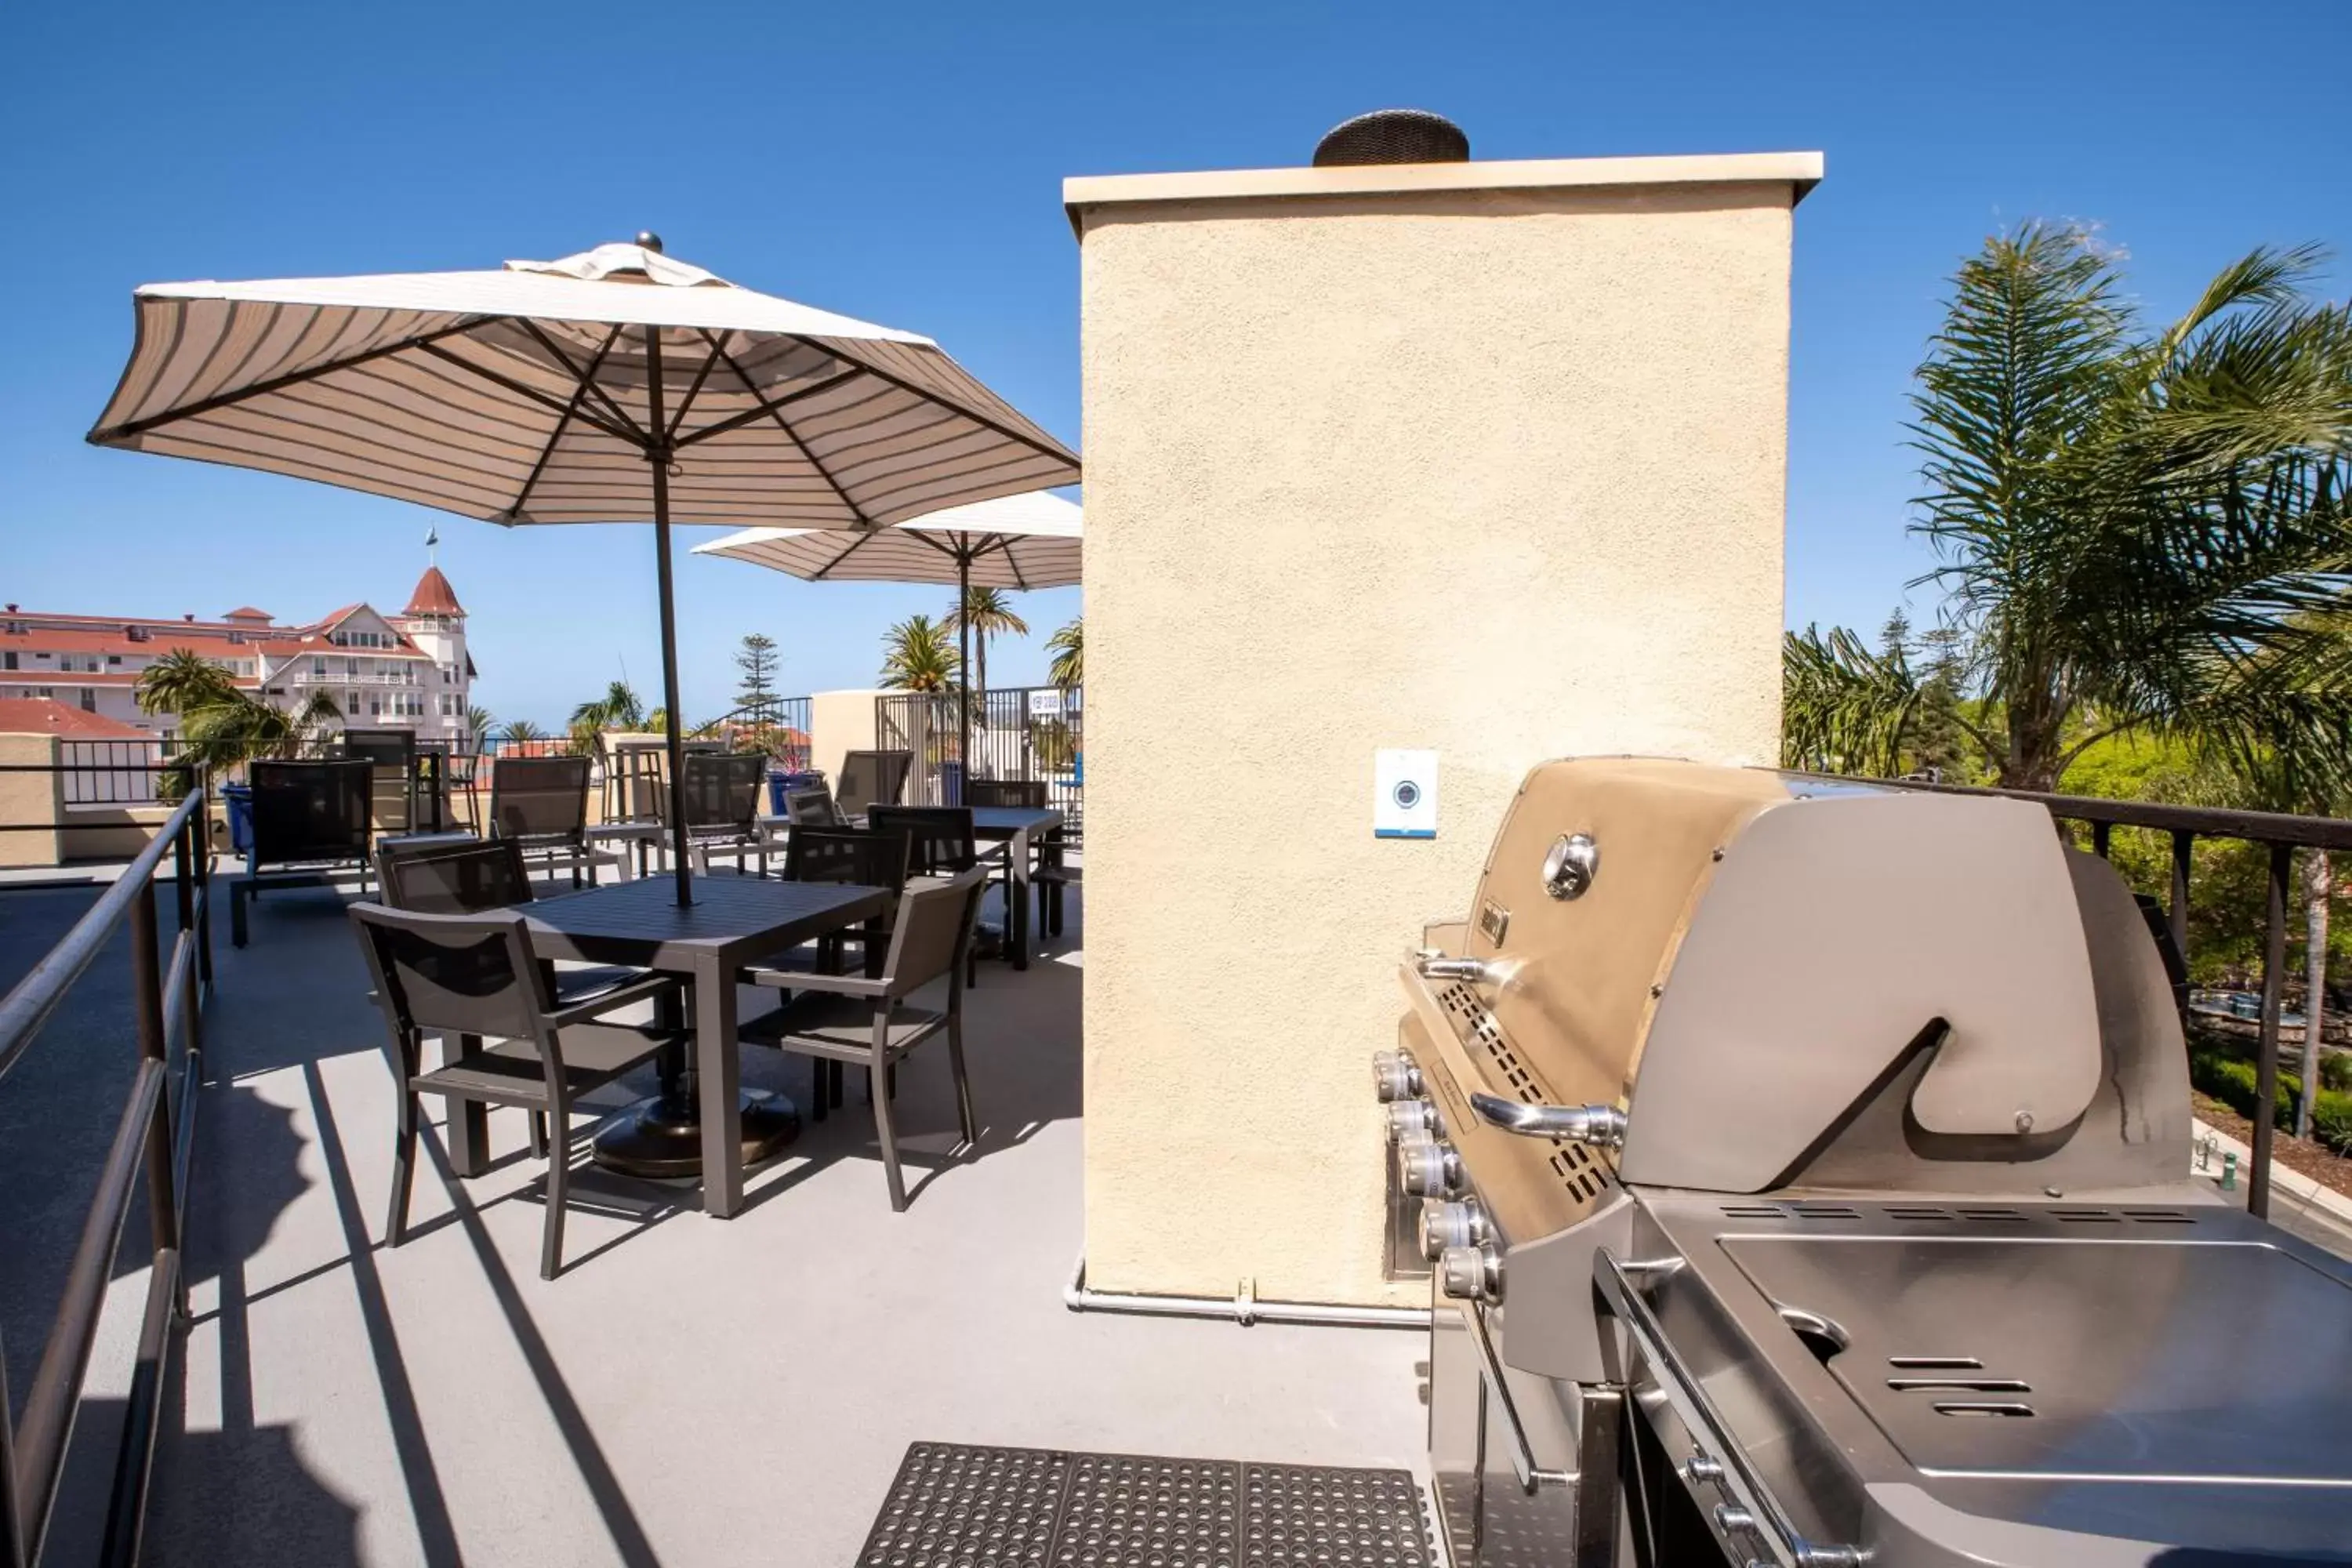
x=89, y=700
x=319, y=668
x=8, y=659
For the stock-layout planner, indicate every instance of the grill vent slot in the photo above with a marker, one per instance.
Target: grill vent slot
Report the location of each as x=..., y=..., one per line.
x=1579, y=1173
x=1752, y=1211
x=2006, y=1407
x=1936, y=1363
x=1958, y=1385
x=1997, y=1217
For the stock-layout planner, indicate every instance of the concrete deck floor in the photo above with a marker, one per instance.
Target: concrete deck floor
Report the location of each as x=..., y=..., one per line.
x=690, y=1391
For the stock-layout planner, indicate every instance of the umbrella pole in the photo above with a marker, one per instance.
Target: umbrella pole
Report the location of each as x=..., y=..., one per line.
x=963, y=675
x=675, y=744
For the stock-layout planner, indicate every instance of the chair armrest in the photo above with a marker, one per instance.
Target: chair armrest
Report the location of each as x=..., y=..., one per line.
x=804, y=980
x=597, y=1006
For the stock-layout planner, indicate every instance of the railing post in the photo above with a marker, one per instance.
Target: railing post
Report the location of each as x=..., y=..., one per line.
x=200, y=823
x=147, y=1004
x=2182, y=842
x=12, y=1518
x=2100, y=832
x=2258, y=1179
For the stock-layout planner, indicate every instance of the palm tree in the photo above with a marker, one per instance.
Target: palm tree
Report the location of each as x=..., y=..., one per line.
x=520, y=730
x=986, y=613
x=2138, y=532
x=480, y=722
x=183, y=681
x=225, y=734
x=917, y=655
x=618, y=708
x=1844, y=708
x=1068, y=648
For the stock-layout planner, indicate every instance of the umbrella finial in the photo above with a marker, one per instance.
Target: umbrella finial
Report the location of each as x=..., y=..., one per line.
x=647, y=240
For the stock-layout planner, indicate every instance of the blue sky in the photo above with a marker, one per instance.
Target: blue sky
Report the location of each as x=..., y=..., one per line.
x=903, y=163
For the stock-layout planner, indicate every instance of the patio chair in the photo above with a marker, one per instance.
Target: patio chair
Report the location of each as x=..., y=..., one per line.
x=939, y=843
x=870, y=857
x=310, y=822
x=474, y=978
x=873, y=778
x=542, y=803
x=476, y=878
x=1028, y=795
x=813, y=808
x=720, y=793
x=866, y=1021
x=394, y=752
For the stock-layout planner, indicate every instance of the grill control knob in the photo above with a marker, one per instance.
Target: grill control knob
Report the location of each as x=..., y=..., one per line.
x=1395, y=1075
x=1428, y=1169
x=1471, y=1273
x=1444, y=1225
x=1410, y=1116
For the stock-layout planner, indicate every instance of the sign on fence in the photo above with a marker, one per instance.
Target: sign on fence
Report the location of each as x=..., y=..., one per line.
x=1045, y=702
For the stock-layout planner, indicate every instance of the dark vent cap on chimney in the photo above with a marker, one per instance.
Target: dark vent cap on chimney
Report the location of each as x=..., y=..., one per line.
x=1393, y=136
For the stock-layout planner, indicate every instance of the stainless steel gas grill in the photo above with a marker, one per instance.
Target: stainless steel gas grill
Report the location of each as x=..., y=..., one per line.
x=1805, y=1172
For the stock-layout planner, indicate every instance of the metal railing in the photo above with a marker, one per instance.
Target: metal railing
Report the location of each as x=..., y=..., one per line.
x=2281, y=834
x=154, y=1137
x=113, y=773
x=1017, y=732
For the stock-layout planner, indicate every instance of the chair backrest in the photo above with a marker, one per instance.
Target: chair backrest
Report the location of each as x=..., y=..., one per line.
x=939, y=838
x=385, y=748
x=469, y=973
x=873, y=778
x=452, y=878
x=869, y=858
x=933, y=932
x=813, y=808
x=720, y=791
x=538, y=799
x=310, y=811
x=1028, y=795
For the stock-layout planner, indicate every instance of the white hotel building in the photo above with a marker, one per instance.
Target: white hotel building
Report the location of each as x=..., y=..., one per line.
x=407, y=671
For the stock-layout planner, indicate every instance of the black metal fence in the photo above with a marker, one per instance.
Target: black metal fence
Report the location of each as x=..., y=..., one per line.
x=114, y=772
x=2280, y=835
x=153, y=1139
x=1017, y=732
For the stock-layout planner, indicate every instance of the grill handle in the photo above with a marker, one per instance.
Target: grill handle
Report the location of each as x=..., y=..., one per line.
x=1602, y=1125
x=1765, y=1521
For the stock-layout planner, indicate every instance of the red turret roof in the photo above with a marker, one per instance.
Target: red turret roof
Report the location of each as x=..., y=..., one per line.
x=434, y=596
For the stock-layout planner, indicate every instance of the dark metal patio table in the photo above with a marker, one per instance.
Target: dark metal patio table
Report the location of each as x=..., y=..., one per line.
x=1017, y=827
x=698, y=1121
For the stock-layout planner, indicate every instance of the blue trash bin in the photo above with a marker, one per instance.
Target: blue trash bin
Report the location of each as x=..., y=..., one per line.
x=238, y=799
x=781, y=783
x=951, y=784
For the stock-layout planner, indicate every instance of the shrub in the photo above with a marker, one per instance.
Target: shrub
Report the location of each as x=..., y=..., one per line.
x=2335, y=1071
x=2232, y=1081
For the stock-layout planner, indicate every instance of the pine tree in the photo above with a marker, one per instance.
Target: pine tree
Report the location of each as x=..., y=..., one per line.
x=756, y=698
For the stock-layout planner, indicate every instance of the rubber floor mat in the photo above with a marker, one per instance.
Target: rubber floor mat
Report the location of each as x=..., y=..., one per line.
x=959, y=1506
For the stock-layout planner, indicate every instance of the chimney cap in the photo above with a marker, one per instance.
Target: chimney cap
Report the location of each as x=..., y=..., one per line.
x=1393, y=136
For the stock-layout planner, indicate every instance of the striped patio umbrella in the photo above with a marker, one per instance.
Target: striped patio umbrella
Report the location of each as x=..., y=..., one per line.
x=1031, y=541
x=617, y=385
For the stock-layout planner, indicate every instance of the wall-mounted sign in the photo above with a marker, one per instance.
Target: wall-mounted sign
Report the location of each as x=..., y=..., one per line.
x=1045, y=702
x=1405, y=793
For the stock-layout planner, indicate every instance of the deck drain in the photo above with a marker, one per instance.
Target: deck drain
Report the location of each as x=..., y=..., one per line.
x=958, y=1506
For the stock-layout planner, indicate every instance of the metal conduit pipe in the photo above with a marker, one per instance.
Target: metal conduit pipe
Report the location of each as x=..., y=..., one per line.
x=1244, y=1307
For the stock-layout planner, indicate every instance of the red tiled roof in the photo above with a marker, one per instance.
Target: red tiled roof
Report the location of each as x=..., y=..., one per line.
x=245, y=613
x=434, y=596
x=45, y=716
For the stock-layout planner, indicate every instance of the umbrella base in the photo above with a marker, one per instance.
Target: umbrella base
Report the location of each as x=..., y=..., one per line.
x=654, y=1138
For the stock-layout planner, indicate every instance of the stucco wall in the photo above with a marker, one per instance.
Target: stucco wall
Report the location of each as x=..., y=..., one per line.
x=34, y=800
x=1495, y=472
